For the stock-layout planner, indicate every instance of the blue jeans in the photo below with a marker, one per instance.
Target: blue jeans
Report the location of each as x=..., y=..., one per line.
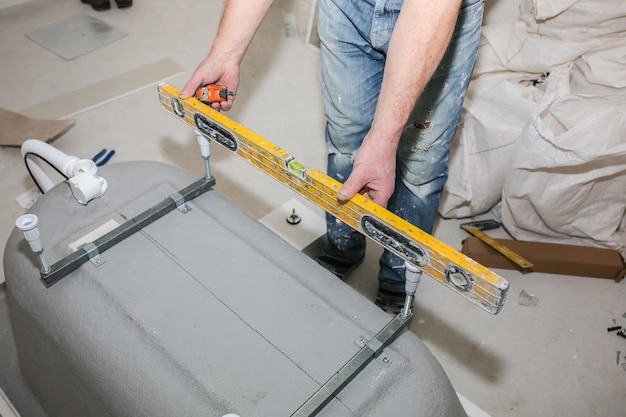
x=354, y=41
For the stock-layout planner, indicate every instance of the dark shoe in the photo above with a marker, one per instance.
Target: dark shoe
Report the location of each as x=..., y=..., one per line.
x=121, y=4
x=98, y=5
x=339, y=267
x=390, y=301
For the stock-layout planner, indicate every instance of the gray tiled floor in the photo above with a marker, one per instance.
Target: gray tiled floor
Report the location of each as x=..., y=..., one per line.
x=554, y=359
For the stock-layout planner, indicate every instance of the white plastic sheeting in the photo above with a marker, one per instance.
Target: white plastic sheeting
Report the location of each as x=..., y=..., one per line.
x=544, y=125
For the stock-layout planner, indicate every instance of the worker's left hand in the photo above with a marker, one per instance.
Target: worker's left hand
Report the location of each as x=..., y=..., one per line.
x=374, y=172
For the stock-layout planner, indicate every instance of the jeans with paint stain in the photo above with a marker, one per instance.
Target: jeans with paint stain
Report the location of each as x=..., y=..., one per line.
x=354, y=41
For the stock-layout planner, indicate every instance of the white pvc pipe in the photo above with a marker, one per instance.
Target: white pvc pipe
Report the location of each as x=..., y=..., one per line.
x=81, y=173
x=55, y=157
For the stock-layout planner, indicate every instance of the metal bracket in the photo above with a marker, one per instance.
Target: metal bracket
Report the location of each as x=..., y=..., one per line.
x=181, y=205
x=361, y=342
x=93, y=250
x=384, y=360
x=93, y=253
x=368, y=350
x=377, y=347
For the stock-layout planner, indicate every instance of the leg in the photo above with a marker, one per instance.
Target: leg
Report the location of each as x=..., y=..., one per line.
x=352, y=71
x=425, y=144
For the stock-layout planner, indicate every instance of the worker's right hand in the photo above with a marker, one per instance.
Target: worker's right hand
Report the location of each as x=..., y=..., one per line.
x=374, y=171
x=212, y=70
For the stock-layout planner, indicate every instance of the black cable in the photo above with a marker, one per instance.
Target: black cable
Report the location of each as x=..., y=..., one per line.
x=46, y=161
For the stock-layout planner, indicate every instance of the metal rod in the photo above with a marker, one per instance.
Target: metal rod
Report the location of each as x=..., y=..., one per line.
x=408, y=302
x=207, y=168
x=365, y=355
x=45, y=268
x=68, y=264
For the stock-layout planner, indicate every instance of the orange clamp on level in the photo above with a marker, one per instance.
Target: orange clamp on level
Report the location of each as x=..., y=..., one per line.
x=212, y=93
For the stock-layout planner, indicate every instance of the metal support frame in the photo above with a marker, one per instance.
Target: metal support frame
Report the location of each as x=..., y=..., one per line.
x=68, y=264
x=338, y=381
x=92, y=252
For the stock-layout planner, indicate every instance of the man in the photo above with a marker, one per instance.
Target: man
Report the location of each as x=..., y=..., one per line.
x=394, y=76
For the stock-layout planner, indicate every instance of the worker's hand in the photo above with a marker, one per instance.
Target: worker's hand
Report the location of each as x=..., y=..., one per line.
x=374, y=172
x=212, y=70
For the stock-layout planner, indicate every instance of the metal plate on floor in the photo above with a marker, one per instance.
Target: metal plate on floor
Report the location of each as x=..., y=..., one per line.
x=76, y=36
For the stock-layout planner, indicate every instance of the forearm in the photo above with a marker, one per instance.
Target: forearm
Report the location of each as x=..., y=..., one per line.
x=240, y=21
x=418, y=43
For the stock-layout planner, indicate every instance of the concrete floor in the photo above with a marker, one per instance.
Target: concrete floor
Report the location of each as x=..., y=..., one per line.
x=553, y=359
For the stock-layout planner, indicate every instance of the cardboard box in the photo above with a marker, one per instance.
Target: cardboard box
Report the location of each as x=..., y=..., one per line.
x=551, y=258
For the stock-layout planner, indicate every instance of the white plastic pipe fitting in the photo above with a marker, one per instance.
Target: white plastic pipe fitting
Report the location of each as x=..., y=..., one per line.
x=205, y=150
x=85, y=184
x=205, y=145
x=413, y=276
x=81, y=173
x=28, y=224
